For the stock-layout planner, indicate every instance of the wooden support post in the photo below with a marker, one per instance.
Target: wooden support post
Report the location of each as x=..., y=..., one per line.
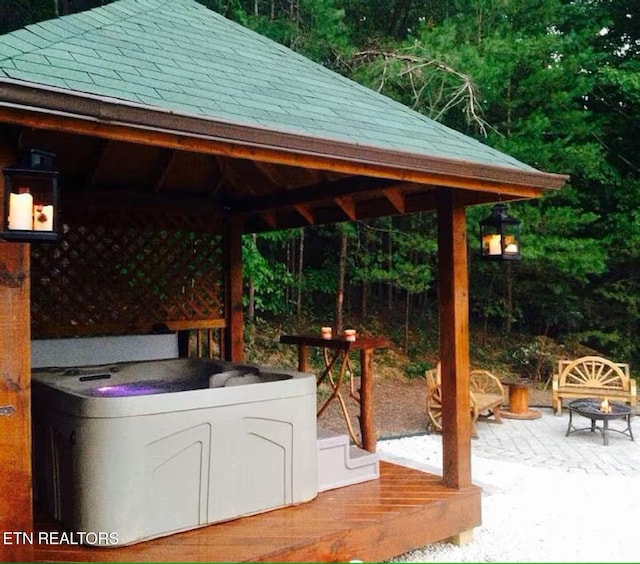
x=462, y=539
x=453, y=287
x=367, y=425
x=234, y=331
x=303, y=356
x=16, y=504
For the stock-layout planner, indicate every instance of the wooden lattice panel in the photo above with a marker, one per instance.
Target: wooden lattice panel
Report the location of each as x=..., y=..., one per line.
x=127, y=275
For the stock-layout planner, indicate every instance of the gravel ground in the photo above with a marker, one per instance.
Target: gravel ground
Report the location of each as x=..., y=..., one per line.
x=533, y=514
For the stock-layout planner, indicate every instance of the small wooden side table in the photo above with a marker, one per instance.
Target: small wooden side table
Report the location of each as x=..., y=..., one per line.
x=336, y=356
x=519, y=402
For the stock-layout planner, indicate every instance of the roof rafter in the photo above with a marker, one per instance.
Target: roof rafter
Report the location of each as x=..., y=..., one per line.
x=164, y=168
x=304, y=211
x=348, y=205
x=314, y=193
x=396, y=198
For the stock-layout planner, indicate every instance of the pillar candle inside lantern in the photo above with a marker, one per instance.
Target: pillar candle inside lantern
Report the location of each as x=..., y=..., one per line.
x=21, y=211
x=495, y=245
x=43, y=218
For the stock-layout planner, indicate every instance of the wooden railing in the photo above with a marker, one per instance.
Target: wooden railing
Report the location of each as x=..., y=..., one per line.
x=200, y=339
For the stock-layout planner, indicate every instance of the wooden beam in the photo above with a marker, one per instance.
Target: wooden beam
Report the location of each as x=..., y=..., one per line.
x=335, y=212
x=313, y=193
x=270, y=219
x=234, y=331
x=396, y=197
x=16, y=504
x=92, y=115
x=304, y=212
x=453, y=295
x=271, y=173
x=187, y=324
x=454, y=174
x=347, y=205
x=99, y=161
x=244, y=176
x=166, y=162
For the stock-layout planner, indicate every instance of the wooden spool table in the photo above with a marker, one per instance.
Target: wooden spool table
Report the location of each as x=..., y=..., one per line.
x=519, y=402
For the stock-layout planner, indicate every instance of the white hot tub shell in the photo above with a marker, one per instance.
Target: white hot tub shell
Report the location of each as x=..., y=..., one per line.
x=146, y=449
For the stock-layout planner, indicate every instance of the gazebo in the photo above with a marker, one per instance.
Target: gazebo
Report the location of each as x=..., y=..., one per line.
x=175, y=132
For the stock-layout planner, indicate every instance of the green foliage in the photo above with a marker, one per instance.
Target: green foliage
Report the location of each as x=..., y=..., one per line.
x=15, y=14
x=534, y=359
x=417, y=369
x=269, y=278
x=556, y=84
x=322, y=279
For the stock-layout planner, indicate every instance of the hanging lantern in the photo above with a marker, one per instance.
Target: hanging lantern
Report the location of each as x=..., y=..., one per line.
x=31, y=199
x=500, y=235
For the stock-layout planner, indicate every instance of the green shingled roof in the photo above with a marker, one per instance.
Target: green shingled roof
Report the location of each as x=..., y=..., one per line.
x=179, y=56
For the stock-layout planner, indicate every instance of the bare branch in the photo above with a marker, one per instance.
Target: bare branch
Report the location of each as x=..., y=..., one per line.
x=420, y=73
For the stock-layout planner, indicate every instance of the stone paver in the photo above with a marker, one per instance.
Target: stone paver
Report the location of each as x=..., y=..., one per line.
x=543, y=443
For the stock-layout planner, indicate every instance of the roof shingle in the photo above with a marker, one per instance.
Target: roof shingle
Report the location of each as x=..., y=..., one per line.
x=179, y=56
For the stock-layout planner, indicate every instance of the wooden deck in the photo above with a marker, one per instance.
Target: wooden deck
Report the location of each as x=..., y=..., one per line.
x=373, y=521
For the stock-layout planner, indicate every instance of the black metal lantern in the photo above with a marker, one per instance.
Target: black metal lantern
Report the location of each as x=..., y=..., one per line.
x=500, y=235
x=31, y=199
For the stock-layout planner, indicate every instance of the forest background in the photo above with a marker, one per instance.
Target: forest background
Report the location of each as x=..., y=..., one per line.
x=554, y=83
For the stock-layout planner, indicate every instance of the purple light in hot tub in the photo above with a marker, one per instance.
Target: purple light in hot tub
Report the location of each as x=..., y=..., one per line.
x=125, y=390
x=140, y=388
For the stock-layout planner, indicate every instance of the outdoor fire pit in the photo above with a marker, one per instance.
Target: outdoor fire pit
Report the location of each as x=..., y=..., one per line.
x=597, y=410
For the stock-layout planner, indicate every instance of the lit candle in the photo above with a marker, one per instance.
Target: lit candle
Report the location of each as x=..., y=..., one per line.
x=350, y=334
x=326, y=332
x=43, y=218
x=511, y=248
x=21, y=211
x=495, y=247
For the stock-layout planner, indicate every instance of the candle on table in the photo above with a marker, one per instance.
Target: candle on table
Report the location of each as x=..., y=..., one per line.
x=350, y=334
x=326, y=332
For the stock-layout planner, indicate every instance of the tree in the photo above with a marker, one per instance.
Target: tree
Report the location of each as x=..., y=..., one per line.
x=15, y=14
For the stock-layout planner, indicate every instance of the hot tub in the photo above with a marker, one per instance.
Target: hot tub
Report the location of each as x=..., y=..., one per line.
x=132, y=451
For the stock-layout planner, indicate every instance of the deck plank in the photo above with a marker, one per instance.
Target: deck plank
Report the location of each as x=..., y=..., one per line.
x=372, y=521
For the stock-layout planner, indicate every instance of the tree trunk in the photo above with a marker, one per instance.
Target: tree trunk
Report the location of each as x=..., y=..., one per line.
x=251, y=307
x=342, y=270
x=389, y=267
x=509, y=299
x=363, y=301
x=287, y=289
x=300, y=269
x=406, y=322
